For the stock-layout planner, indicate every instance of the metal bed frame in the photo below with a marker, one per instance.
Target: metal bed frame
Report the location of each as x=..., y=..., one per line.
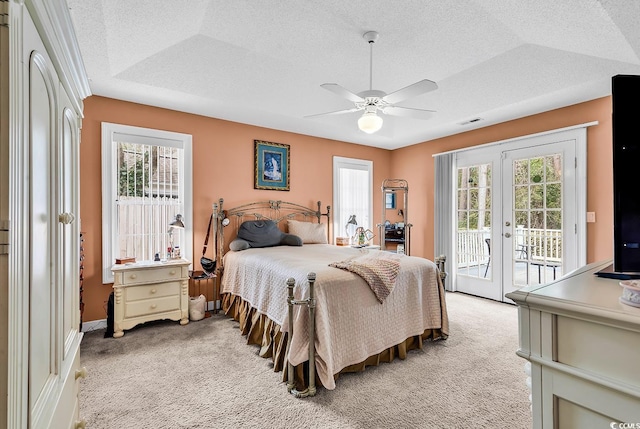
x=279, y=211
x=275, y=210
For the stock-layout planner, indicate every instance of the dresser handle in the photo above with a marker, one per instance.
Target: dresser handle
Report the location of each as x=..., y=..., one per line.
x=81, y=373
x=153, y=306
x=172, y=272
x=153, y=291
x=133, y=276
x=80, y=424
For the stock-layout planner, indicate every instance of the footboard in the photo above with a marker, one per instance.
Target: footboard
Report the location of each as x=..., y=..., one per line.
x=310, y=303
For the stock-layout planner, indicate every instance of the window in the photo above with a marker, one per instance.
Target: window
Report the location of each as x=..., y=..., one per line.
x=146, y=182
x=352, y=194
x=474, y=220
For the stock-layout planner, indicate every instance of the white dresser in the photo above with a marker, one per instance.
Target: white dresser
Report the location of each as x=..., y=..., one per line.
x=584, y=349
x=148, y=291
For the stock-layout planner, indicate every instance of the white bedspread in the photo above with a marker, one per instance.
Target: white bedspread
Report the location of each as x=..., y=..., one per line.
x=351, y=324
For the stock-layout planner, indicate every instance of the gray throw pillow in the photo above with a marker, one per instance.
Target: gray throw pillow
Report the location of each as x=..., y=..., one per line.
x=262, y=233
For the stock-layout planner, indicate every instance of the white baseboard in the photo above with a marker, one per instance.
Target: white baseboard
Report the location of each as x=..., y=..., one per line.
x=94, y=325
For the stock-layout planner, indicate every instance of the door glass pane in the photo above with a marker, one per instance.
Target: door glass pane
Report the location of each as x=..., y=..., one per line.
x=554, y=196
x=474, y=221
x=521, y=200
x=537, y=194
x=554, y=168
x=537, y=211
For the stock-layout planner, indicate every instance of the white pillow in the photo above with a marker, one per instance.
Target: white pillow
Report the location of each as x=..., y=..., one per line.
x=310, y=233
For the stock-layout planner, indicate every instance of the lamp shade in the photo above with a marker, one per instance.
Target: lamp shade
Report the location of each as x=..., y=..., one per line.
x=177, y=222
x=369, y=122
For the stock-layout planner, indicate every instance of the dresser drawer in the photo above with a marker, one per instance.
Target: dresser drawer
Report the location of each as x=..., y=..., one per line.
x=153, y=275
x=151, y=306
x=151, y=291
x=580, y=344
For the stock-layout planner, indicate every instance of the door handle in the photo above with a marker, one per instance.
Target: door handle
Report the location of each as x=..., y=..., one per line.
x=507, y=234
x=66, y=218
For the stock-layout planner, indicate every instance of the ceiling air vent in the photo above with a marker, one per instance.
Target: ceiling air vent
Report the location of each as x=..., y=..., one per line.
x=471, y=121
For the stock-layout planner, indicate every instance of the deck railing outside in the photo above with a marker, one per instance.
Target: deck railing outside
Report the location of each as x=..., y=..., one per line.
x=529, y=244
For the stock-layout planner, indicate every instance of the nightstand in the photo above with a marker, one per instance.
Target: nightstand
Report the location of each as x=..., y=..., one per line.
x=199, y=281
x=147, y=291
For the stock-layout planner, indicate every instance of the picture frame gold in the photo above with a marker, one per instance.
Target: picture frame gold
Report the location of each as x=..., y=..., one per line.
x=272, y=163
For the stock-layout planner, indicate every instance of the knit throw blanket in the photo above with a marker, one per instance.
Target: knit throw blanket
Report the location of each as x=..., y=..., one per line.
x=379, y=269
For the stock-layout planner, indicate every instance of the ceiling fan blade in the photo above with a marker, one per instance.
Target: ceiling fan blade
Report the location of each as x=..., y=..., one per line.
x=412, y=90
x=409, y=112
x=337, y=112
x=342, y=92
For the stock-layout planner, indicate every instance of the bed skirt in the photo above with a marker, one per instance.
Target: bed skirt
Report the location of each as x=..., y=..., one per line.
x=265, y=333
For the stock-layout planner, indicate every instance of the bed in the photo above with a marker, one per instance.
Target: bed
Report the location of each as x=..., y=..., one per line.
x=316, y=321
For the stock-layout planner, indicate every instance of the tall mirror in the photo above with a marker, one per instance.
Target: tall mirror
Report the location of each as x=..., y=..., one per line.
x=395, y=229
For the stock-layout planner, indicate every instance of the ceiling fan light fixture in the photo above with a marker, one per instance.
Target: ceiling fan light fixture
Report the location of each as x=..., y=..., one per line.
x=369, y=122
x=373, y=101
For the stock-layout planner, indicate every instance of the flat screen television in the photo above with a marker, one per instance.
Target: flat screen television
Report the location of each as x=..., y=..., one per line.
x=626, y=168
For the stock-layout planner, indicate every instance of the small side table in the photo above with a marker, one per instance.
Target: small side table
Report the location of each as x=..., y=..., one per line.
x=199, y=281
x=146, y=291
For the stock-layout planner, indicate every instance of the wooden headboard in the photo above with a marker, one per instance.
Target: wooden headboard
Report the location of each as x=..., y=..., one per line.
x=229, y=220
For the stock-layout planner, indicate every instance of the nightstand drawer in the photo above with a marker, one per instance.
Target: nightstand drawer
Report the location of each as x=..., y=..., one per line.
x=152, y=291
x=154, y=275
x=151, y=306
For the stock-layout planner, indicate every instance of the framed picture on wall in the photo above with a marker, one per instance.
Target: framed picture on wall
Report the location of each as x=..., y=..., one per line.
x=271, y=166
x=390, y=200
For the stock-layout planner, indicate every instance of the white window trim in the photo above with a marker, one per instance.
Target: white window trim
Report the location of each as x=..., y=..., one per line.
x=354, y=163
x=141, y=136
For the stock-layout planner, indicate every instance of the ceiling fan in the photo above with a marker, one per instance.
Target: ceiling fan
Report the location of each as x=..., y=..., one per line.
x=373, y=101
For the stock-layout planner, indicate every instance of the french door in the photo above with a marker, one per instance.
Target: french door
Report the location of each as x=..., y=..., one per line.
x=518, y=217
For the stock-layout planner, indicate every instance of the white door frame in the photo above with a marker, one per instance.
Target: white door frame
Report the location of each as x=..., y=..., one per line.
x=481, y=154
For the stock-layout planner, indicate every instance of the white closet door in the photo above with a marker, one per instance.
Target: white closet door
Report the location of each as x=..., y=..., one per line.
x=43, y=364
x=53, y=317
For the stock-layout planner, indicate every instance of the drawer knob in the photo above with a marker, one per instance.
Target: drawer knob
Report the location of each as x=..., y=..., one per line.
x=133, y=276
x=153, y=291
x=172, y=272
x=81, y=373
x=80, y=424
x=153, y=306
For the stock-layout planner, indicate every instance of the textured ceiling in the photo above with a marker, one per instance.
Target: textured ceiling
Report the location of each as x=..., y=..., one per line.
x=262, y=62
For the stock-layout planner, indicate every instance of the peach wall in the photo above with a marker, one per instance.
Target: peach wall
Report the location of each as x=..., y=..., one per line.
x=223, y=164
x=223, y=167
x=415, y=163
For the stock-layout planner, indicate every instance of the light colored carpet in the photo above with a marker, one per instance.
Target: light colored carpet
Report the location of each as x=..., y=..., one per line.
x=203, y=375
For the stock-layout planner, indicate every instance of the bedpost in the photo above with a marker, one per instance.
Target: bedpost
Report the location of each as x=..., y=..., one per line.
x=291, y=282
x=440, y=260
x=219, y=232
x=312, y=335
x=319, y=215
x=310, y=302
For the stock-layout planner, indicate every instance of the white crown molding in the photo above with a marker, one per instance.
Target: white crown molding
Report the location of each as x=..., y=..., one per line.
x=53, y=21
